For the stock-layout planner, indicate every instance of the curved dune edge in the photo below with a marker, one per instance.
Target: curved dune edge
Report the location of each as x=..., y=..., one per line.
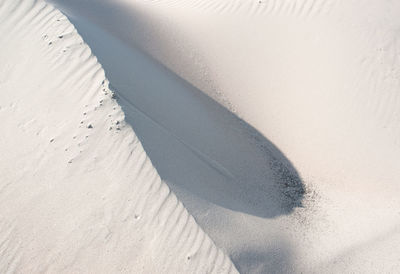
x=78, y=192
x=323, y=89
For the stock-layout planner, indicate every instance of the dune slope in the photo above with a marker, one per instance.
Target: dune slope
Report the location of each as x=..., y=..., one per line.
x=317, y=78
x=77, y=191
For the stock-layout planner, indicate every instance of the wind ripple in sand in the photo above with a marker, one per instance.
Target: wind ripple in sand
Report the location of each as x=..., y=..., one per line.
x=301, y=8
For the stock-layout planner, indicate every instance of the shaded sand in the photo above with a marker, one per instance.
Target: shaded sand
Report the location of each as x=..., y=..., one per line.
x=315, y=81
x=276, y=123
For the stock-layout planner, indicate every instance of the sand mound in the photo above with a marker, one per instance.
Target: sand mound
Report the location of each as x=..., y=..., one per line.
x=274, y=122
x=77, y=191
x=318, y=79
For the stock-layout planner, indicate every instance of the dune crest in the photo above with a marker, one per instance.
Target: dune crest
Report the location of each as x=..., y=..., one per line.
x=318, y=80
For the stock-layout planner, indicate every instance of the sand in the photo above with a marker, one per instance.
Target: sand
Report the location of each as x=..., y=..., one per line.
x=276, y=123
x=78, y=192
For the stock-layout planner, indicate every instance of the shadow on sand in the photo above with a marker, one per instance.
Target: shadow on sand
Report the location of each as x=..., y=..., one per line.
x=197, y=145
x=201, y=150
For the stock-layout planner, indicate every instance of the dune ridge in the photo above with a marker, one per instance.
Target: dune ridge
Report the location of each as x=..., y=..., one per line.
x=322, y=86
x=78, y=192
x=276, y=123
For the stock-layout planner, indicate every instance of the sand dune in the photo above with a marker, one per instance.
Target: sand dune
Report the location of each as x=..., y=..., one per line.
x=78, y=192
x=274, y=122
x=311, y=77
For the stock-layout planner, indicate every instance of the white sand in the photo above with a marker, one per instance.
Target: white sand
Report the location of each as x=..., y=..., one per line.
x=78, y=193
x=307, y=181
